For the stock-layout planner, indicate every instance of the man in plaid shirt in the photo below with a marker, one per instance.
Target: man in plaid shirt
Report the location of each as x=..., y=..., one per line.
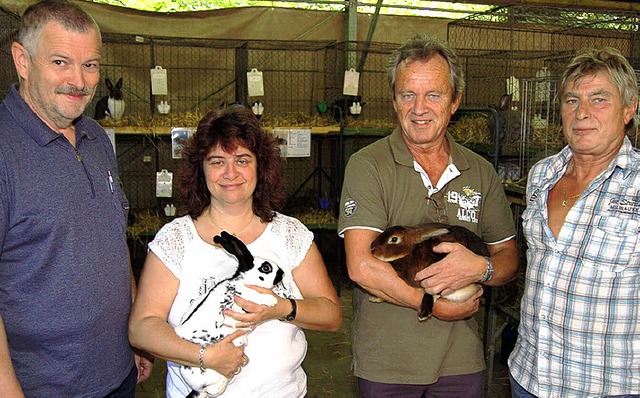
x=579, y=333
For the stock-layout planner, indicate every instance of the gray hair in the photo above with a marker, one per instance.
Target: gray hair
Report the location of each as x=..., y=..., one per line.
x=608, y=59
x=423, y=47
x=36, y=16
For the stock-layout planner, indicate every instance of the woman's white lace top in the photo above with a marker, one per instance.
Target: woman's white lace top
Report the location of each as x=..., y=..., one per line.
x=275, y=349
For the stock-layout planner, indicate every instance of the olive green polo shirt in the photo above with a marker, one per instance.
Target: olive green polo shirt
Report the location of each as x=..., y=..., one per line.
x=382, y=188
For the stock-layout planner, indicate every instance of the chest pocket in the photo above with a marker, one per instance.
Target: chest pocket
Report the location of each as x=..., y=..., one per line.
x=612, y=244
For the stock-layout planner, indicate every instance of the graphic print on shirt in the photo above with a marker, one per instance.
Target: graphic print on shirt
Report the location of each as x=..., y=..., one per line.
x=468, y=202
x=350, y=207
x=625, y=206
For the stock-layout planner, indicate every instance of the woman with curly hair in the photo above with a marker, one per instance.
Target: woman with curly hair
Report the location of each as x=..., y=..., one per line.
x=231, y=180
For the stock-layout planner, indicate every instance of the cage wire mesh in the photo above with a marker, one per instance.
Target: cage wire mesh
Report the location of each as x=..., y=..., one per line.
x=8, y=33
x=519, y=51
x=522, y=41
x=200, y=76
x=541, y=134
x=371, y=60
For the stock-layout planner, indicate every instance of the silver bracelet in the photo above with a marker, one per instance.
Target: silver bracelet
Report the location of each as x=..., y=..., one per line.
x=201, y=357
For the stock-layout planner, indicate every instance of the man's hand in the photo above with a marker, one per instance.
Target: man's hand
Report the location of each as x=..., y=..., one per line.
x=446, y=310
x=458, y=269
x=144, y=364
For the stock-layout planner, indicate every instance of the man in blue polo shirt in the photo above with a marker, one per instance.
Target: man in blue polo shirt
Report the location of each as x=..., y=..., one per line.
x=65, y=279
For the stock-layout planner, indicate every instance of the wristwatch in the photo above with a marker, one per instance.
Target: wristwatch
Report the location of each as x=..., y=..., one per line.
x=488, y=274
x=292, y=314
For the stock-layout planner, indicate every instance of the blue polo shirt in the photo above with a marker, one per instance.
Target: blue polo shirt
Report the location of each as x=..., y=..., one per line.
x=65, y=289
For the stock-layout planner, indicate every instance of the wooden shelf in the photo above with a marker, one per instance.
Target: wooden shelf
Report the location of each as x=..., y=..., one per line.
x=164, y=130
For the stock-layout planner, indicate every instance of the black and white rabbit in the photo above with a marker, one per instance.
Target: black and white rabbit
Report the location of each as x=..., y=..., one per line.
x=205, y=323
x=410, y=249
x=111, y=105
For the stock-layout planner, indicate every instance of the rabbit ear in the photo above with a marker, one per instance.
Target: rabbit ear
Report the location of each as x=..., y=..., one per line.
x=108, y=83
x=119, y=83
x=237, y=248
x=433, y=232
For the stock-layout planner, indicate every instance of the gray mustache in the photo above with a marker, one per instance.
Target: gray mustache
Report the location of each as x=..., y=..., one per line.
x=73, y=91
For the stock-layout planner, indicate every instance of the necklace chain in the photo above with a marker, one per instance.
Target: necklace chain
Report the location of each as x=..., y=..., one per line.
x=232, y=233
x=564, y=194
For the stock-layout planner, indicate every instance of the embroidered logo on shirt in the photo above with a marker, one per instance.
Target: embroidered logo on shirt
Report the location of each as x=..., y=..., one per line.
x=468, y=201
x=624, y=206
x=350, y=207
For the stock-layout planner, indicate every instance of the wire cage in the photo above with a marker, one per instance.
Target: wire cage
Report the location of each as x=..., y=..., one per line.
x=371, y=60
x=501, y=46
x=541, y=133
x=8, y=30
x=203, y=74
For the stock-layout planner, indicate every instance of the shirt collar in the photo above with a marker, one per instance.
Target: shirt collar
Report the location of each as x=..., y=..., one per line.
x=34, y=126
x=402, y=155
x=626, y=159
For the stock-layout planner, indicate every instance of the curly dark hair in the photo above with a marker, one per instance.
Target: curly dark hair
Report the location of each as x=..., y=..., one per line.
x=229, y=128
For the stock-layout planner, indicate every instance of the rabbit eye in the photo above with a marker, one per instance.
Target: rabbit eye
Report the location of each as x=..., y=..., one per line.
x=265, y=268
x=394, y=239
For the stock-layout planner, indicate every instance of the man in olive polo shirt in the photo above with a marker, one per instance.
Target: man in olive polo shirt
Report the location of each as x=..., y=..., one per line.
x=419, y=174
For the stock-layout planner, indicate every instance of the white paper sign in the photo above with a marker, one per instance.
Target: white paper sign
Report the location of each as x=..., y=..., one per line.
x=164, y=184
x=351, y=81
x=294, y=142
x=254, y=83
x=159, y=81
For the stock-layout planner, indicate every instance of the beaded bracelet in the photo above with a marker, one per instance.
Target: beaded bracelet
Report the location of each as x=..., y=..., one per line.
x=201, y=357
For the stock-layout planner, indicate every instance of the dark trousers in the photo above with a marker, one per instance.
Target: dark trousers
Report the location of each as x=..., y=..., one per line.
x=128, y=387
x=462, y=386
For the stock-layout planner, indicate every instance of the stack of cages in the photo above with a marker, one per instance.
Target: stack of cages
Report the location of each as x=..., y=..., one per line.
x=8, y=33
x=520, y=51
x=370, y=60
x=513, y=58
x=203, y=75
x=377, y=117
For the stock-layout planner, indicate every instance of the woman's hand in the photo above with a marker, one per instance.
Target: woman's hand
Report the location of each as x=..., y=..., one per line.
x=225, y=357
x=255, y=313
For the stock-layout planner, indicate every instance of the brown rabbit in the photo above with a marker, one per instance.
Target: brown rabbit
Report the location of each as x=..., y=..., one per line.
x=410, y=249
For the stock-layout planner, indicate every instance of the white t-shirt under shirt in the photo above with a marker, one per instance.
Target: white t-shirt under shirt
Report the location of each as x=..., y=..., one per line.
x=275, y=349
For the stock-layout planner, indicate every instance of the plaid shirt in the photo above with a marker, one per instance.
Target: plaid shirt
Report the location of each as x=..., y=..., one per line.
x=579, y=333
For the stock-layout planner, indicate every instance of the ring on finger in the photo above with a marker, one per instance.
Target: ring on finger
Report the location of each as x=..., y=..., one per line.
x=237, y=370
x=245, y=360
x=250, y=325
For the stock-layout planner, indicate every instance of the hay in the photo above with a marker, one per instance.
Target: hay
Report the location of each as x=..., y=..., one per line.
x=316, y=217
x=471, y=130
x=145, y=223
x=170, y=120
